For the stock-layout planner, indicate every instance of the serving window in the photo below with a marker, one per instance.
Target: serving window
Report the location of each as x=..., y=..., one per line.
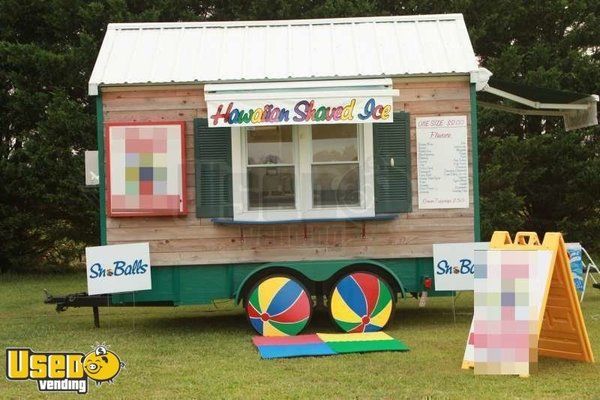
x=297, y=172
x=270, y=168
x=335, y=167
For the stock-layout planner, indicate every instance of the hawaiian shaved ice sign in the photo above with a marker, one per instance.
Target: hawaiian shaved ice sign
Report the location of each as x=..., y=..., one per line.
x=300, y=111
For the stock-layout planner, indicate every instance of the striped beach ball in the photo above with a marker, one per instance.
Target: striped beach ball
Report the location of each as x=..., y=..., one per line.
x=361, y=302
x=278, y=306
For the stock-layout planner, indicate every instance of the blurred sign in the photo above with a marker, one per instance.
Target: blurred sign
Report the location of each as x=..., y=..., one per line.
x=92, y=173
x=575, y=253
x=118, y=268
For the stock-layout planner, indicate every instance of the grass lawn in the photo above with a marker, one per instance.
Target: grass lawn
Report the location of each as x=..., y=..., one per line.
x=196, y=352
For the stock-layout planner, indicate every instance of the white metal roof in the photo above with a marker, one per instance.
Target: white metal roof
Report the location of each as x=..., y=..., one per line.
x=188, y=52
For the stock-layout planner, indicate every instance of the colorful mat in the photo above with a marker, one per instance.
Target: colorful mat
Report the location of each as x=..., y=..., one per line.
x=324, y=344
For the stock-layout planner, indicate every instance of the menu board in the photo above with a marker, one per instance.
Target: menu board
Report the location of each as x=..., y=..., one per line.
x=442, y=162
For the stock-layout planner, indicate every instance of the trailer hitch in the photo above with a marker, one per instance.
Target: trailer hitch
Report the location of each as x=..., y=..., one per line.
x=81, y=299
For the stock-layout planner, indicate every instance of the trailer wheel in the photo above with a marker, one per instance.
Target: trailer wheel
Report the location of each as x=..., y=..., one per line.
x=361, y=302
x=278, y=305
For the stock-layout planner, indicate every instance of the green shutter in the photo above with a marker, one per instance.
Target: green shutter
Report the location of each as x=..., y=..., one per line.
x=392, y=183
x=212, y=149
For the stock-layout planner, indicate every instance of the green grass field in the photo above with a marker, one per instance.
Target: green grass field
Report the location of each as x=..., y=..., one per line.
x=206, y=353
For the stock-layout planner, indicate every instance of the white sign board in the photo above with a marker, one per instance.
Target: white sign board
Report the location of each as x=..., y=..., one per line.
x=442, y=162
x=300, y=111
x=118, y=268
x=454, y=265
x=92, y=173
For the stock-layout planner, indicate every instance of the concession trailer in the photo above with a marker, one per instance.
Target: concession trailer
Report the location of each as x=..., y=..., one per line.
x=289, y=164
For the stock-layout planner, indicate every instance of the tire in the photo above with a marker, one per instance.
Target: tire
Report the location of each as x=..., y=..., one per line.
x=361, y=301
x=287, y=306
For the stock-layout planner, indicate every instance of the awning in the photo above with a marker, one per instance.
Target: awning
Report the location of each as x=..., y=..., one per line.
x=300, y=102
x=577, y=109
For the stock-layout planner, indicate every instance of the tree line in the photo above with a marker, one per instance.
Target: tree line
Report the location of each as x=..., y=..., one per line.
x=534, y=175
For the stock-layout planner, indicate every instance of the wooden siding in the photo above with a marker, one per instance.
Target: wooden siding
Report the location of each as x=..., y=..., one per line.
x=189, y=240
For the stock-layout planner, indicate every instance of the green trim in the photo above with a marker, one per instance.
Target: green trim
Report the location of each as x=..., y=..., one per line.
x=102, y=185
x=475, y=156
x=204, y=284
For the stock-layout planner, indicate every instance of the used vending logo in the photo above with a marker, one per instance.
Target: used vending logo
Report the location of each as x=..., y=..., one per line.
x=63, y=372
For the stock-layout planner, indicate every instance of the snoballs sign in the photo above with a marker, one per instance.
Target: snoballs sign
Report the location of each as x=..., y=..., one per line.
x=300, y=111
x=454, y=265
x=118, y=268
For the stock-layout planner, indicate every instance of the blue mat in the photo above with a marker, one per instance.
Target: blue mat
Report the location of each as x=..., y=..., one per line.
x=295, y=350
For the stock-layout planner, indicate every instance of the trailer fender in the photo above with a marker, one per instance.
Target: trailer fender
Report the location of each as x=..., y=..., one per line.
x=313, y=271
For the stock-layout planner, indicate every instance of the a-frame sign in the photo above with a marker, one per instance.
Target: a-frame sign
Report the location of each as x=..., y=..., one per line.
x=563, y=333
x=555, y=324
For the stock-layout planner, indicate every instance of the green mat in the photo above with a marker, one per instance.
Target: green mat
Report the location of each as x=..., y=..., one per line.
x=366, y=346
